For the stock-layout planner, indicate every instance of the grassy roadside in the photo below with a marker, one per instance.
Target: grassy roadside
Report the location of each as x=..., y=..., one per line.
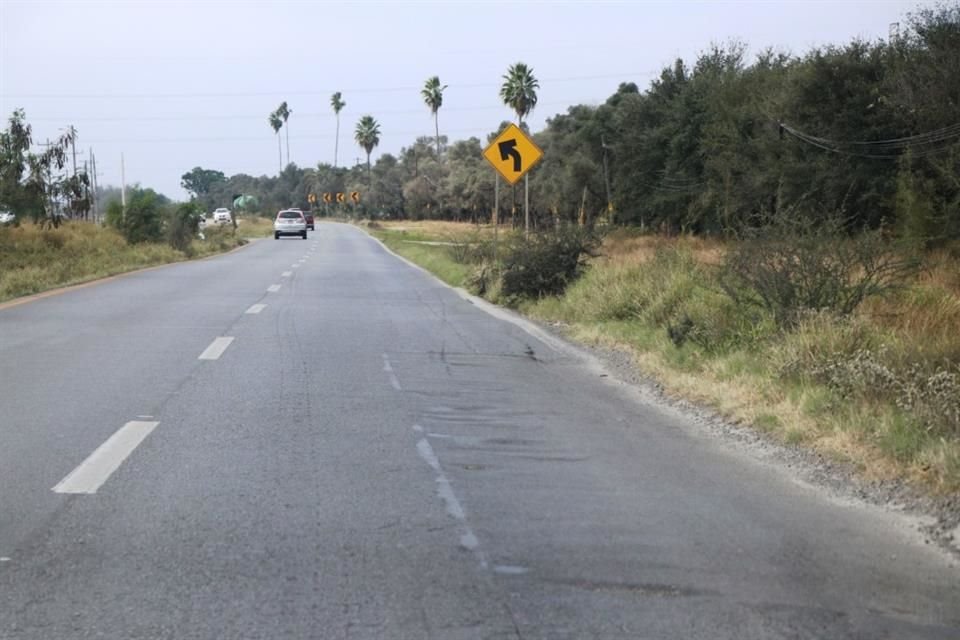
x=880, y=390
x=33, y=260
x=409, y=240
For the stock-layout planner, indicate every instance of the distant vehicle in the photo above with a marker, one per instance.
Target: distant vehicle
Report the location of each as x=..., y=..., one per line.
x=222, y=216
x=6, y=217
x=290, y=222
x=306, y=216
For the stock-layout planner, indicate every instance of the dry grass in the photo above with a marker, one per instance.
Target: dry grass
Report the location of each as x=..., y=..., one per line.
x=253, y=226
x=625, y=247
x=33, y=260
x=438, y=229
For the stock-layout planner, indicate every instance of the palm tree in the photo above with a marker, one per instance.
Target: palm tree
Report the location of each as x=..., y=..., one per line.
x=277, y=122
x=284, y=112
x=338, y=104
x=519, y=92
x=367, y=136
x=433, y=95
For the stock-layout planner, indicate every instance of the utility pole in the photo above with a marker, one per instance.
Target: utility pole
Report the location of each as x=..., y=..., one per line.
x=86, y=189
x=73, y=148
x=50, y=203
x=606, y=178
x=123, y=185
x=496, y=214
x=93, y=186
x=526, y=205
x=526, y=198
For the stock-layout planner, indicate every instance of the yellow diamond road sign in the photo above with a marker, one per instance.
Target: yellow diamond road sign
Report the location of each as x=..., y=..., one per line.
x=512, y=154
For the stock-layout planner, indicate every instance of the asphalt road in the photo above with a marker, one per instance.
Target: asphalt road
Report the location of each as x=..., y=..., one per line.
x=374, y=456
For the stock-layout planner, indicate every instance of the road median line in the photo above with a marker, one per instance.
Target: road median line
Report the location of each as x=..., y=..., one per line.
x=107, y=458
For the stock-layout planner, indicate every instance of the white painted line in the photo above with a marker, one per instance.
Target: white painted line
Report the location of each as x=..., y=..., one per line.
x=286, y=274
x=145, y=417
x=256, y=308
x=4, y=559
x=273, y=288
x=216, y=348
x=510, y=570
x=295, y=266
x=394, y=382
x=444, y=489
x=100, y=465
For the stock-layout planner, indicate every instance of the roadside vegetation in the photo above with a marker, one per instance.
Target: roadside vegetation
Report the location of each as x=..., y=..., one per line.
x=35, y=259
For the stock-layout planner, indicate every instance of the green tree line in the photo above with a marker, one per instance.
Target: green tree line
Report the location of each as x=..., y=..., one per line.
x=868, y=130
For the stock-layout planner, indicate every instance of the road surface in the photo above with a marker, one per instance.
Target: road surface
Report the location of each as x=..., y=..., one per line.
x=317, y=440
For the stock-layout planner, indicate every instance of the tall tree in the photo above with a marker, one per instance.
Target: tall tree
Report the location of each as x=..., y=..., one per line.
x=336, y=101
x=198, y=181
x=432, y=94
x=519, y=92
x=276, y=122
x=367, y=136
x=284, y=112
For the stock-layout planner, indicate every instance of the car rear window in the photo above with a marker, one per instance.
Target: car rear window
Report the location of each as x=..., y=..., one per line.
x=289, y=214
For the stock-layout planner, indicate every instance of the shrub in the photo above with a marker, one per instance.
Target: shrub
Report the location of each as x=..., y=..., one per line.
x=482, y=279
x=182, y=224
x=470, y=249
x=545, y=263
x=820, y=336
x=716, y=324
x=931, y=396
x=142, y=221
x=790, y=265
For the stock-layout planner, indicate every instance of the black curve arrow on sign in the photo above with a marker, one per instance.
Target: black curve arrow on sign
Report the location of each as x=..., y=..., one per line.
x=509, y=148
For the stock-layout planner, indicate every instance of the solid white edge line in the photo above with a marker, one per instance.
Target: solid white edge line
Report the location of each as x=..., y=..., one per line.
x=100, y=465
x=216, y=348
x=256, y=308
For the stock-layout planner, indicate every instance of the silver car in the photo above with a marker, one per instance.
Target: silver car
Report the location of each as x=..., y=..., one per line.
x=290, y=223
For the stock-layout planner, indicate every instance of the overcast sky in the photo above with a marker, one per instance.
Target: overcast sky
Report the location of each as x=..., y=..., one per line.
x=175, y=85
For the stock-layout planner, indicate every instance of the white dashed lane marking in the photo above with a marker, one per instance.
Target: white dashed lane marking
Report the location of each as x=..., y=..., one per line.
x=100, y=465
x=255, y=308
x=468, y=540
x=273, y=288
x=216, y=348
x=286, y=274
x=394, y=382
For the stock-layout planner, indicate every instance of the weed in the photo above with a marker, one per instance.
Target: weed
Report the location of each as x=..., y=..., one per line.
x=767, y=421
x=791, y=265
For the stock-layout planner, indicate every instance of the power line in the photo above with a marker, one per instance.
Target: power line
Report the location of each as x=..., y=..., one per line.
x=308, y=114
x=919, y=146
x=325, y=92
x=309, y=136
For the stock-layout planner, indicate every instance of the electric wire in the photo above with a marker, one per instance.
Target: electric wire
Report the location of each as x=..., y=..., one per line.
x=918, y=146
